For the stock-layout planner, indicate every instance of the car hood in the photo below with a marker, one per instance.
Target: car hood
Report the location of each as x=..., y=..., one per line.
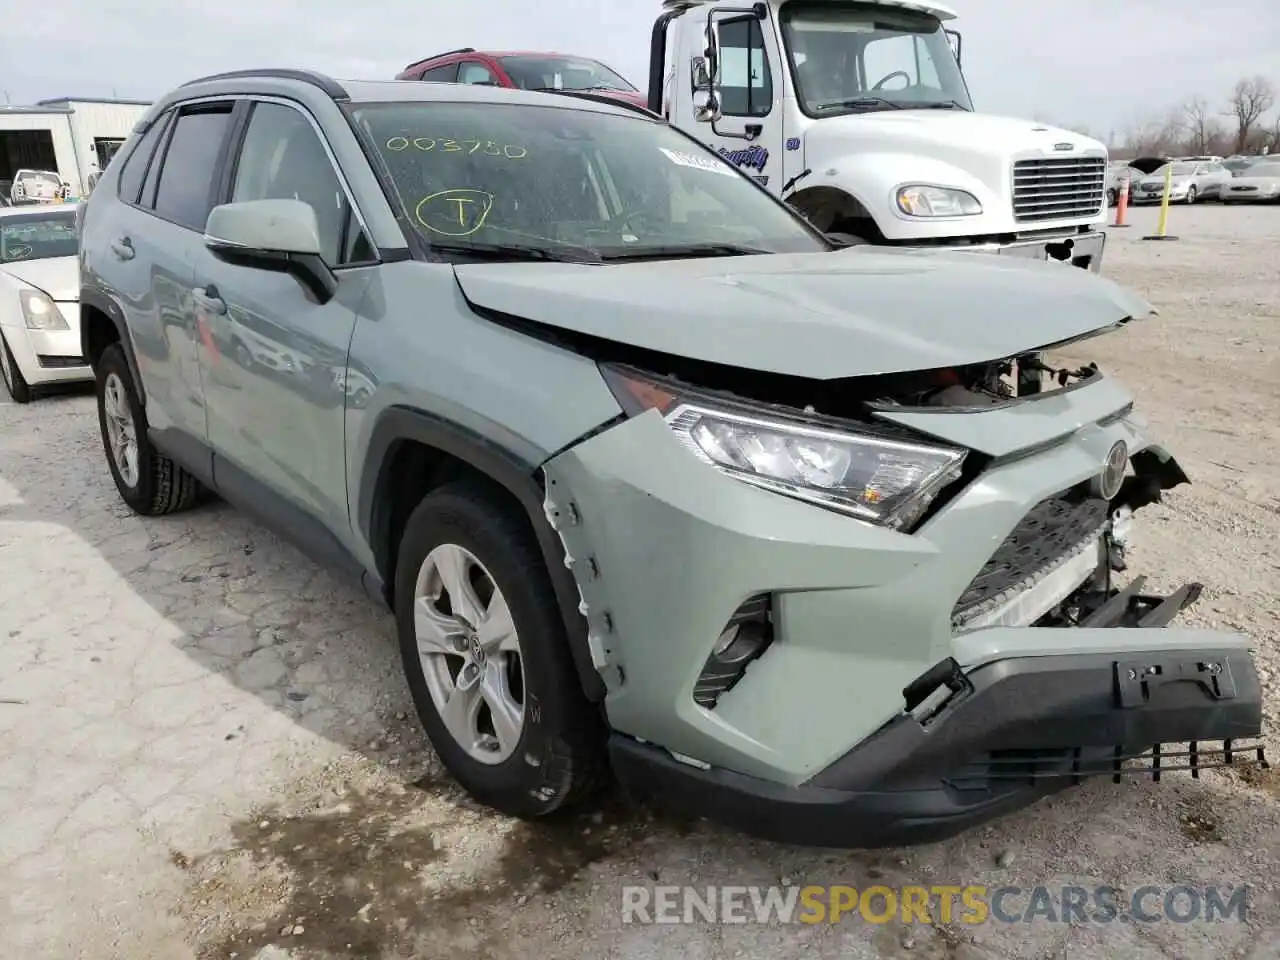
x=59, y=277
x=987, y=134
x=1159, y=181
x=1258, y=181
x=856, y=312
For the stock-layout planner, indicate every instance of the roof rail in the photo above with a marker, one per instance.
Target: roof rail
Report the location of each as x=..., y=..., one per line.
x=437, y=56
x=597, y=96
x=330, y=86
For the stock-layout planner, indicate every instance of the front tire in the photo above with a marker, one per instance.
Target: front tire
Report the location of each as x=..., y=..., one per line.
x=14, y=382
x=1191, y=196
x=151, y=483
x=487, y=657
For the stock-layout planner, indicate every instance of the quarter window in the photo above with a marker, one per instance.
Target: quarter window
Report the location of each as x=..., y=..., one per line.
x=136, y=162
x=282, y=158
x=746, y=83
x=185, y=190
x=446, y=74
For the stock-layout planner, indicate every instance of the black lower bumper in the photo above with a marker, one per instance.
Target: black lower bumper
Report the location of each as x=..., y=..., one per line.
x=996, y=740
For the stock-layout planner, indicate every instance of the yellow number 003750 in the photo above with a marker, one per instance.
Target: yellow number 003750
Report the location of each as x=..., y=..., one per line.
x=487, y=147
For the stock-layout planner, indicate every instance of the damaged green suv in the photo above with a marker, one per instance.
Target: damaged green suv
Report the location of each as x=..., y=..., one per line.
x=657, y=480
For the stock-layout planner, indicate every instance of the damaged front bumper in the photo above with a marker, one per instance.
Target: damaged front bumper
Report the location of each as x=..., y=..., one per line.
x=1003, y=736
x=894, y=665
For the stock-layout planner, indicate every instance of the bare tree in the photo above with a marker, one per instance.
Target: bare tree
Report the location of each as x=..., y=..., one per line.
x=1251, y=98
x=1199, y=126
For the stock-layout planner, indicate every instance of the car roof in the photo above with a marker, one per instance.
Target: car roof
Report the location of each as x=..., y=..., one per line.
x=307, y=86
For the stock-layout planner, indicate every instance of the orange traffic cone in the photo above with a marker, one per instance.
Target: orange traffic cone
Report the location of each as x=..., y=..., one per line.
x=1122, y=202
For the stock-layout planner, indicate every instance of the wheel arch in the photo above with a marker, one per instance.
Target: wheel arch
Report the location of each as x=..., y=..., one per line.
x=411, y=452
x=827, y=207
x=102, y=323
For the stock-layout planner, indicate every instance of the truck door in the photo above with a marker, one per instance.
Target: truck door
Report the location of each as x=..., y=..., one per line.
x=751, y=73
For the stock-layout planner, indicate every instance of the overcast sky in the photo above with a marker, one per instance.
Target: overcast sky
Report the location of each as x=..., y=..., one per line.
x=1091, y=62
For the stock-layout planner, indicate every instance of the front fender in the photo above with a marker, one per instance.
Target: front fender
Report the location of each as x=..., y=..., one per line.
x=874, y=178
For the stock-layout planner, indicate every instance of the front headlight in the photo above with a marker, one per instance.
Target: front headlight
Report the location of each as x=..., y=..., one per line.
x=39, y=312
x=922, y=200
x=846, y=467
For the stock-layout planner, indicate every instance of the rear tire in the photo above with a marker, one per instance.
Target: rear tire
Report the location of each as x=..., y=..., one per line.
x=14, y=382
x=1191, y=195
x=556, y=762
x=151, y=483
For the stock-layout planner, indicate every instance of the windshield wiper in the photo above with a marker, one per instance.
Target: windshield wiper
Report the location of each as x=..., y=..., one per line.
x=943, y=105
x=860, y=102
x=514, y=251
x=678, y=251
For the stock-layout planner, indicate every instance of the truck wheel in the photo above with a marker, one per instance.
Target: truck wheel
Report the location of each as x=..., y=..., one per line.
x=487, y=658
x=148, y=481
x=13, y=379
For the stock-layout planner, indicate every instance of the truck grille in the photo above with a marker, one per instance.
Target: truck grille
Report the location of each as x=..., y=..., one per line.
x=1058, y=188
x=1051, y=530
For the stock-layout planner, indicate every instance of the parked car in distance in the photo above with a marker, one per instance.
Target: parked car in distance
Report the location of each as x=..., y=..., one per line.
x=657, y=479
x=1257, y=183
x=1238, y=164
x=1191, y=181
x=524, y=71
x=37, y=186
x=1121, y=172
x=39, y=294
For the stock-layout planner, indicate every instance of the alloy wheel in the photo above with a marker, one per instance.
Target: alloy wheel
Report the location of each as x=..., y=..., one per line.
x=122, y=434
x=470, y=653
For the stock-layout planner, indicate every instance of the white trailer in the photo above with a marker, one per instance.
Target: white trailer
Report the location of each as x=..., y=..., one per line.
x=858, y=114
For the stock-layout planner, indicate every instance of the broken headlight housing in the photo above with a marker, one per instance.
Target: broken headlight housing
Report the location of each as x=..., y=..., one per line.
x=846, y=467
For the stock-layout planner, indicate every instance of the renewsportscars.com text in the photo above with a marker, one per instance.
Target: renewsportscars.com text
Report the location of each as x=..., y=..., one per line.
x=972, y=904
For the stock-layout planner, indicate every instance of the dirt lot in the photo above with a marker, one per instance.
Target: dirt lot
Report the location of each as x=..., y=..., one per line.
x=206, y=748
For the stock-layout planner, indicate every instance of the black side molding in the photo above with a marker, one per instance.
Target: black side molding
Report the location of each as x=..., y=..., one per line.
x=100, y=301
x=398, y=424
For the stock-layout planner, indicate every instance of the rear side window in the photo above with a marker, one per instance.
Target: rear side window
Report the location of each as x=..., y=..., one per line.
x=135, y=164
x=446, y=74
x=185, y=191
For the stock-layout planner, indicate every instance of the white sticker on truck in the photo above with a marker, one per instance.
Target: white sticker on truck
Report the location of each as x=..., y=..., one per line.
x=709, y=164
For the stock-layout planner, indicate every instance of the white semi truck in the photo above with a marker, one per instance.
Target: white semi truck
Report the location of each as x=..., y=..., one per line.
x=858, y=114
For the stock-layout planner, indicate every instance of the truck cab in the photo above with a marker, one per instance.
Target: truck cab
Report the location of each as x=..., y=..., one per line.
x=858, y=114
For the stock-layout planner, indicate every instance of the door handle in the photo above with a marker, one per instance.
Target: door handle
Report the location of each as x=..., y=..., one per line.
x=208, y=298
x=122, y=247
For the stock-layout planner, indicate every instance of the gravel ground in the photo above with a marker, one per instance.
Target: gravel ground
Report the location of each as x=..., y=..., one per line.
x=207, y=751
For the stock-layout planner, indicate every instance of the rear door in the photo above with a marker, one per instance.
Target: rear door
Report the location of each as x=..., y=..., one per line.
x=149, y=239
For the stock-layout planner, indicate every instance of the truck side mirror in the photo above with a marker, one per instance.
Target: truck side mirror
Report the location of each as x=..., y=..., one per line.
x=708, y=111
x=700, y=74
x=954, y=38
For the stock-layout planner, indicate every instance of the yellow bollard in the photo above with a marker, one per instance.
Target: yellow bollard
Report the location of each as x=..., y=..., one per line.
x=1162, y=226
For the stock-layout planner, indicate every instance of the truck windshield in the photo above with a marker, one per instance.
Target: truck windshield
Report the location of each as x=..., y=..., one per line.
x=570, y=182
x=853, y=57
x=562, y=73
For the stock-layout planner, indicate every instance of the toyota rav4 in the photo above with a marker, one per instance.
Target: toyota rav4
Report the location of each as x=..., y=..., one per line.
x=657, y=479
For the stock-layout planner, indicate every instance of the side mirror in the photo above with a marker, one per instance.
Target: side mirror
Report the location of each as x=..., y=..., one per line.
x=708, y=111
x=700, y=74
x=280, y=235
x=954, y=38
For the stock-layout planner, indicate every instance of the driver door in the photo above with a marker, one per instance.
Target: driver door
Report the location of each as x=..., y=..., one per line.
x=749, y=100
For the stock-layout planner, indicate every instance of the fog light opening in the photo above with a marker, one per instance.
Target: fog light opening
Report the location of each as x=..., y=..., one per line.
x=745, y=637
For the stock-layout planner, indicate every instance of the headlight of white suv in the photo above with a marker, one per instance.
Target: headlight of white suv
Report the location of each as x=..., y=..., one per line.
x=845, y=467
x=922, y=200
x=39, y=312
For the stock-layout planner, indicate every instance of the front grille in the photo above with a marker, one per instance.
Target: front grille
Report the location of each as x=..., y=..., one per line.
x=1058, y=188
x=59, y=363
x=1051, y=531
x=1243, y=189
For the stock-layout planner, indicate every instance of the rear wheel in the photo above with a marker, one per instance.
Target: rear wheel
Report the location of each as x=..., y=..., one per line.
x=151, y=483
x=14, y=382
x=487, y=658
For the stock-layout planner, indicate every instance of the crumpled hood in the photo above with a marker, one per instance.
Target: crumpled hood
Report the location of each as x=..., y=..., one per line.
x=856, y=312
x=59, y=277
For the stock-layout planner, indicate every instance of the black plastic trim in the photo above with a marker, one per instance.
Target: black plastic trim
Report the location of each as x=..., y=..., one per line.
x=902, y=785
x=328, y=85
x=519, y=478
x=596, y=96
x=100, y=301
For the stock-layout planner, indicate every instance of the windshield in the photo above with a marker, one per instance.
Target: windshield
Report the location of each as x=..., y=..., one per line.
x=562, y=73
x=37, y=236
x=842, y=53
x=571, y=182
